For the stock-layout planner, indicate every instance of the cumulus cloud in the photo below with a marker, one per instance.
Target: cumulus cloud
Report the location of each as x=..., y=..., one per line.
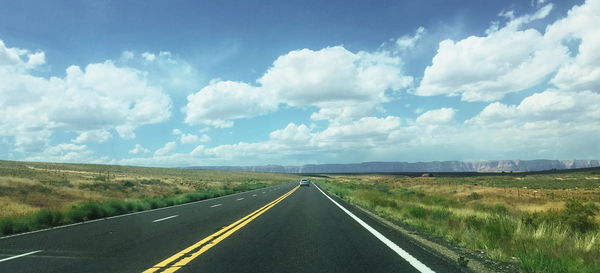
x=164, y=69
x=487, y=68
x=549, y=106
x=438, y=116
x=220, y=102
x=168, y=148
x=408, y=42
x=299, y=141
x=95, y=136
x=582, y=71
x=92, y=99
x=292, y=133
x=68, y=152
x=139, y=149
x=340, y=83
x=514, y=58
x=191, y=138
x=198, y=150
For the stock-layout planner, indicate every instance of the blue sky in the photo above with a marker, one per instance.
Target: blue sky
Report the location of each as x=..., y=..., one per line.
x=179, y=83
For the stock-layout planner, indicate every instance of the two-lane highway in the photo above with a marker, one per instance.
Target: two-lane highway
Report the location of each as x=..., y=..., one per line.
x=277, y=229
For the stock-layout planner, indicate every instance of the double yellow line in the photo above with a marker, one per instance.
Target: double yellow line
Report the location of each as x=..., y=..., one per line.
x=185, y=256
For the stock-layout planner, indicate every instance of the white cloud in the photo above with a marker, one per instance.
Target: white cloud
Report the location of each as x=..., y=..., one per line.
x=101, y=96
x=582, y=71
x=12, y=58
x=575, y=108
x=299, y=141
x=139, y=149
x=509, y=59
x=487, y=68
x=438, y=116
x=219, y=102
x=292, y=133
x=191, y=138
x=167, y=149
x=408, y=42
x=95, y=136
x=148, y=56
x=333, y=74
x=198, y=150
x=67, y=152
x=176, y=132
x=205, y=138
x=164, y=69
x=343, y=85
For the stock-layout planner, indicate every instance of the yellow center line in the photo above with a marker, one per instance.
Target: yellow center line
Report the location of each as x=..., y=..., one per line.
x=185, y=256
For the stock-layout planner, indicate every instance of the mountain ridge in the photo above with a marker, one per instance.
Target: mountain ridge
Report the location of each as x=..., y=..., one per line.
x=432, y=166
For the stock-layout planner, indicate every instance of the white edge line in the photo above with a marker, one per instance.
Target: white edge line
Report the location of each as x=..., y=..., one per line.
x=129, y=214
x=214, y=206
x=19, y=256
x=166, y=218
x=405, y=255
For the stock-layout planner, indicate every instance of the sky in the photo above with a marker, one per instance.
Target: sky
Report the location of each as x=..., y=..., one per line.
x=194, y=83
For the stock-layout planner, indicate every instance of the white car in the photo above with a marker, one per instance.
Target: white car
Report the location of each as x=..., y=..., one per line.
x=304, y=182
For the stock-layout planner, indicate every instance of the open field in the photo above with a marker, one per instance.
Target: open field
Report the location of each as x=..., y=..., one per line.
x=38, y=195
x=544, y=222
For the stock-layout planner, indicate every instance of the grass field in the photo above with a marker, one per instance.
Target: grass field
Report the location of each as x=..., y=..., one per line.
x=545, y=222
x=39, y=195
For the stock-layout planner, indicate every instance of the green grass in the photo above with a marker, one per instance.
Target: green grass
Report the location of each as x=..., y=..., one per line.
x=551, y=241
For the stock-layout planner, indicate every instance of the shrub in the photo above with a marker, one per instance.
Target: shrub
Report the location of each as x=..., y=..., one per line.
x=578, y=216
x=46, y=218
x=382, y=188
x=118, y=207
x=500, y=209
x=440, y=214
x=88, y=211
x=474, y=222
x=416, y=212
x=474, y=196
x=499, y=228
x=7, y=225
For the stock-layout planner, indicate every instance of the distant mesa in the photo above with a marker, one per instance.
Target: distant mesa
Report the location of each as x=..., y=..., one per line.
x=419, y=167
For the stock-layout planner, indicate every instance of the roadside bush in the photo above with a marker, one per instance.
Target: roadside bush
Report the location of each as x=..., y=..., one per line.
x=46, y=218
x=7, y=225
x=382, y=188
x=578, y=216
x=499, y=228
x=416, y=211
x=440, y=214
x=474, y=222
x=117, y=207
x=88, y=211
x=474, y=196
x=500, y=209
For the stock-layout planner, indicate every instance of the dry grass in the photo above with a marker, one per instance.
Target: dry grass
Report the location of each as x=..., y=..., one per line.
x=28, y=187
x=546, y=222
x=520, y=197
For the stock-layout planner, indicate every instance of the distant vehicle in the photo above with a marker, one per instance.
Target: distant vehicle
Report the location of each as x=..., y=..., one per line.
x=304, y=182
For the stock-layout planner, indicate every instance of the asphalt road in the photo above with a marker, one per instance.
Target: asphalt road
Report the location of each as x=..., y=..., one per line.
x=277, y=229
